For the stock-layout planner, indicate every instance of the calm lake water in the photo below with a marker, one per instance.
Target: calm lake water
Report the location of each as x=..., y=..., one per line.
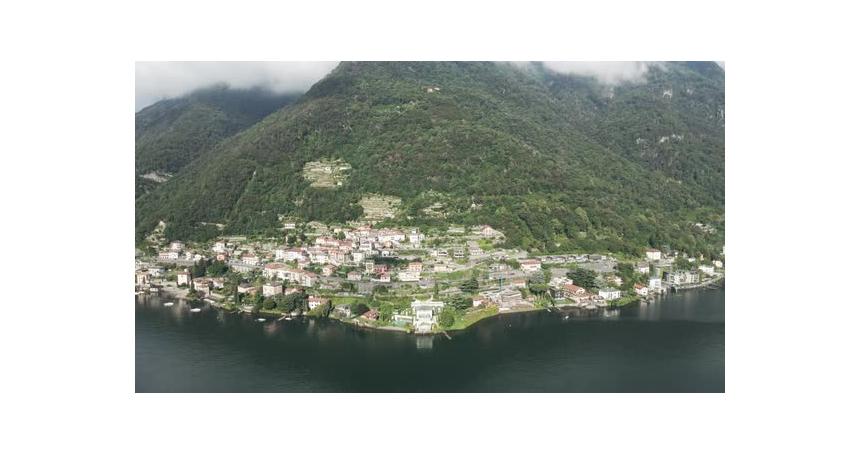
x=676, y=344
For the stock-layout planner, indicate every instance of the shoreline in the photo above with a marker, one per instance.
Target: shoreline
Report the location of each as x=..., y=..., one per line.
x=175, y=292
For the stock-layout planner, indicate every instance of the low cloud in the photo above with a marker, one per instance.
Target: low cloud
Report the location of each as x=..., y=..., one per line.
x=155, y=81
x=610, y=73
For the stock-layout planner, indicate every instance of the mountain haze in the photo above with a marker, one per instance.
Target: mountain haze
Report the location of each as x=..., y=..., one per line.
x=171, y=133
x=557, y=162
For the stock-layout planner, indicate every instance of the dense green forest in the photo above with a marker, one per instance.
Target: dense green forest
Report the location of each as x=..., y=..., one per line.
x=172, y=133
x=557, y=162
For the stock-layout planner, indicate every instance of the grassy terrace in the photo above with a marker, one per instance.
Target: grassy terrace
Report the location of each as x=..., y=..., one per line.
x=464, y=321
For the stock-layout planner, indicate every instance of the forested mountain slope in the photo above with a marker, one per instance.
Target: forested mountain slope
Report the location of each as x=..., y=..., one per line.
x=552, y=160
x=171, y=133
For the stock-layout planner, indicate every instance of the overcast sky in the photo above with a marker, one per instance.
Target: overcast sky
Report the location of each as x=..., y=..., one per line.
x=155, y=81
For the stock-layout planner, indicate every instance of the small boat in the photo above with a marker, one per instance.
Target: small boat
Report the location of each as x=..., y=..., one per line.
x=567, y=316
x=195, y=310
x=168, y=303
x=261, y=319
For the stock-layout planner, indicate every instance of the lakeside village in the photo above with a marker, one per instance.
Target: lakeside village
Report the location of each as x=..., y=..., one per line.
x=404, y=279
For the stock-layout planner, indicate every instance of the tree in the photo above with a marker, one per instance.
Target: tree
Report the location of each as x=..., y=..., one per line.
x=469, y=286
x=462, y=303
x=386, y=311
x=217, y=268
x=358, y=308
x=446, y=318
x=537, y=287
x=583, y=277
x=199, y=268
x=269, y=304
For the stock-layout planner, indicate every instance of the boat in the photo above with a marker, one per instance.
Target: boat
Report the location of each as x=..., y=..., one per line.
x=261, y=319
x=168, y=303
x=195, y=310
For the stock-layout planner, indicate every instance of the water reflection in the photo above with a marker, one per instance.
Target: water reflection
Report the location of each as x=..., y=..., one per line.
x=424, y=342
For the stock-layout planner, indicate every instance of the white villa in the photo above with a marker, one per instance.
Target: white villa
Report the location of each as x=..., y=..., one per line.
x=653, y=255
x=424, y=314
x=609, y=294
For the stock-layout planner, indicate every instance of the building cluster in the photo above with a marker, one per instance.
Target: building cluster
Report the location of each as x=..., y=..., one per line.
x=360, y=258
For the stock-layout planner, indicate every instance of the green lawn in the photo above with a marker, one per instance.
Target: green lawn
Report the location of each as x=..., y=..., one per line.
x=472, y=317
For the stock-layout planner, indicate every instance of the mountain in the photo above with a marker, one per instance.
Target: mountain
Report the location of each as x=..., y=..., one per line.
x=557, y=162
x=171, y=133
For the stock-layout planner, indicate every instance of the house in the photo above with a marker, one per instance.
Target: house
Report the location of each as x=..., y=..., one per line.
x=156, y=271
x=368, y=266
x=440, y=268
x=652, y=254
x=488, y=232
x=142, y=278
x=655, y=284
x=289, y=291
x=328, y=270
x=315, y=301
x=616, y=280
x=307, y=279
x=177, y=246
x=380, y=268
x=275, y=269
x=415, y=267
x=518, y=282
x=682, y=277
x=640, y=289
x=168, y=255
x=477, y=301
x=557, y=282
x=343, y=310
x=506, y=298
x=572, y=290
x=183, y=278
x=718, y=264
x=372, y=314
x=382, y=278
x=707, y=269
x=643, y=268
x=609, y=294
x=415, y=237
x=459, y=253
x=424, y=314
x=576, y=294
x=273, y=288
x=408, y=275
x=246, y=288
x=530, y=265
x=353, y=276
x=250, y=259
x=218, y=283
x=219, y=246
x=202, y=285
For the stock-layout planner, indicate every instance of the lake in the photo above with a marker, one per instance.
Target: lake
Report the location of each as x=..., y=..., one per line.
x=676, y=344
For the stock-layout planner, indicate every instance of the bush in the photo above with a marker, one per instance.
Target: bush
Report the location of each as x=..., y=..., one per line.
x=446, y=319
